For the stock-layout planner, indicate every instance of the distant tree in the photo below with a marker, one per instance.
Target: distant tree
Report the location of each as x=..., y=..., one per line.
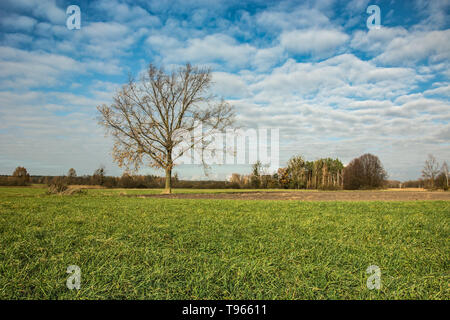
x=336, y=168
x=255, y=180
x=20, y=173
x=444, y=170
x=266, y=181
x=71, y=175
x=309, y=168
x=273, y=181
x=430, y=170
x=151, y=119
x=413, y=184
x=374, y=173
x=176, y=178
x=99, y=175
x=296, y=169
x=440, y=181
x=126, y=181
x=256, y=168
x=365, y=172
x=353, y=175
x=283, y=177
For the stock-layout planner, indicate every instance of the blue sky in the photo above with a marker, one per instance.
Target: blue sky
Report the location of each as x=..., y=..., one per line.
x=312, y=69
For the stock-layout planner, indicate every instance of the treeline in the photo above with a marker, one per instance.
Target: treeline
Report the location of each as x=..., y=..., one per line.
x=323, y=174
x=21, y=177
x=364, y=172
x=440, y=182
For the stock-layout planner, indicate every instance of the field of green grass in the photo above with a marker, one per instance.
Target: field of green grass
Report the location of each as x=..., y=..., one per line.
x=148, y=248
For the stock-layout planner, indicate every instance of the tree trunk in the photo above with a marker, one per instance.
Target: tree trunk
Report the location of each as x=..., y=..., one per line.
x=168, y=187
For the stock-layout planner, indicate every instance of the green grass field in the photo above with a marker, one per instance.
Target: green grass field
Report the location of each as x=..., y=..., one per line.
x=136, y=248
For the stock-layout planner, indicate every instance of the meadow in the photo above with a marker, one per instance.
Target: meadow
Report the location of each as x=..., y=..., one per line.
x=151, y=248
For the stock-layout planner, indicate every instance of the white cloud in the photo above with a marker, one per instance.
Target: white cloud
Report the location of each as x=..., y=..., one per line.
x=16, y=39
x=162, y=42
x=229, y=85
x=43, y=9
x=44, y=141
x=441, y=90
x=344, y=75
x=370, y=104
x=357, y=6
x=102, y=40
x=433, y=46
x=398, y=46
x=22, y=69
x=313, y=41
x=18, y=22
x=298, y=17
x=435, y=13
x=210, y=49
x=376, y=40
x=134, y=15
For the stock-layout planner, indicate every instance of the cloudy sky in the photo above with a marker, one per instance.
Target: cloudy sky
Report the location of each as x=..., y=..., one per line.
x=312, y=69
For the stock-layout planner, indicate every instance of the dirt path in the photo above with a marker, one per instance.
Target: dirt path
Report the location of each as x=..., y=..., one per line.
x=311, y=195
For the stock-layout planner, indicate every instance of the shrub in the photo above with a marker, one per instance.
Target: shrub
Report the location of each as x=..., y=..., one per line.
x=57, y=186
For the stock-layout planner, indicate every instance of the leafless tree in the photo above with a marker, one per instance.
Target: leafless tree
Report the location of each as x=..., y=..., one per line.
x=431, y=169
x=155, y=120
x=365, y=172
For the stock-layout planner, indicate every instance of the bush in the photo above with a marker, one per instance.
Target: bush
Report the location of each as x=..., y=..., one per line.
x=57, y=186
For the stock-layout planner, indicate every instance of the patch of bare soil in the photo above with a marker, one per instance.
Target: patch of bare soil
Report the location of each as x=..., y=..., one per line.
x=312, y=195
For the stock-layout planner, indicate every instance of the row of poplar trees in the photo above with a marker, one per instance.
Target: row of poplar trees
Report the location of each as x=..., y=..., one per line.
x=324, y=173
